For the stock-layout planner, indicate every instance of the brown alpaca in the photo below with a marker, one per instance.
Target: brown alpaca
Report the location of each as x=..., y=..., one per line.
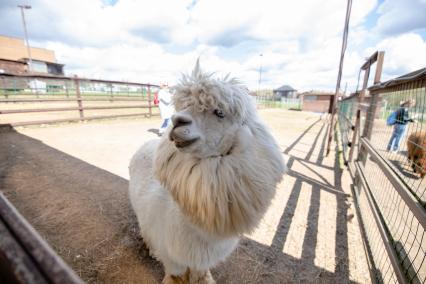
x=416, y=145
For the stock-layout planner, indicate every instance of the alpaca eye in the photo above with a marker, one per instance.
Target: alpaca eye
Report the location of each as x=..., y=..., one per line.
x=219, y=113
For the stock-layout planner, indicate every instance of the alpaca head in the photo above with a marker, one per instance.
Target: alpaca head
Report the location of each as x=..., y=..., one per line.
x=219, y=161
x=210, y=114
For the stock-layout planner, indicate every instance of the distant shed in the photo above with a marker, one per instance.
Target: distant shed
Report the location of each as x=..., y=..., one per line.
x=285, y=91
x=315, y=101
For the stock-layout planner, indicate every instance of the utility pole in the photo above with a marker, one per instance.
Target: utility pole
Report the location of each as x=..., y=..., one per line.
x=333, y=100
x=22, y=7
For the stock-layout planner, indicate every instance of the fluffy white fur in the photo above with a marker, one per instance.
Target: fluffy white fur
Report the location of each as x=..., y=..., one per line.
x=206, y=182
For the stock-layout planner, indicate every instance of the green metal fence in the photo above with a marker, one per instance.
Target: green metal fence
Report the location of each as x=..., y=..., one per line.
x=271, y=102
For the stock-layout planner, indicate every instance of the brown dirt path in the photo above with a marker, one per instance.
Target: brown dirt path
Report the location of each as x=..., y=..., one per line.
x=70, y=182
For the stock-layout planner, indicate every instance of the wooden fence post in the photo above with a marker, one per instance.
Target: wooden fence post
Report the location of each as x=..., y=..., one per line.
x=4, y=88
x=371, y=115
x=374, y=98
x=111, y=93
x=372, y=108
x=66, y=89
x=15, y=88
x=149, y=100
x=358, y=113
x=354, y=135
x=78, y=94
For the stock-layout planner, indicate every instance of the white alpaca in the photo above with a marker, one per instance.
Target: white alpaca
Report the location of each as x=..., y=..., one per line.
x=209, y=180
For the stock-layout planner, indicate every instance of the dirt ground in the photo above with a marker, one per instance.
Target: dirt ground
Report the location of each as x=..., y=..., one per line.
x=70, y=182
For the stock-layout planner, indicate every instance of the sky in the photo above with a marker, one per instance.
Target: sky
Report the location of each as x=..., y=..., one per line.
x=294, y=43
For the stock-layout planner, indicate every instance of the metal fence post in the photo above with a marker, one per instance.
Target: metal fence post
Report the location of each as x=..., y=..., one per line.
x=78, y=94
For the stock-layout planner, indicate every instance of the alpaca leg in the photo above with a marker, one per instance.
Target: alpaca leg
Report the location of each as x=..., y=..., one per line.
x=177, y=279
x=201, y=277
x=190, y=277
x=175, y=273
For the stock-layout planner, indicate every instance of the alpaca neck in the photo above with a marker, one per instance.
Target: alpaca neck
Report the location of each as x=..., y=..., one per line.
x=224, y=195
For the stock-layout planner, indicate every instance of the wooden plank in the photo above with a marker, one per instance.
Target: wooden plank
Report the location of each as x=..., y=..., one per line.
x=107, y=99
x=50, y=265
x=379, y=67
x=12, y=111
x=35, y=122
x=16, y=266
x=65, y=78
x=370, y=61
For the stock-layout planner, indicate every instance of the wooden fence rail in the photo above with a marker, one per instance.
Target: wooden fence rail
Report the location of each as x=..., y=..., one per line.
x=24, y=256
x=19, y=89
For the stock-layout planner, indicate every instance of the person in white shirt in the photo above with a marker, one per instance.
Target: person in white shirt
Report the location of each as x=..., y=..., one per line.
x=166, y=107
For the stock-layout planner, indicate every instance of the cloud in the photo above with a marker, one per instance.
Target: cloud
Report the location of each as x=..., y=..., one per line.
x=93, y=23
x=272, y=20
x=400, y=16
x=153, y=41
x=403, y=54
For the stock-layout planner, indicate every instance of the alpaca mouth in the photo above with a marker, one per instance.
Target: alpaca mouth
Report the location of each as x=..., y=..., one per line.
x=185, y=143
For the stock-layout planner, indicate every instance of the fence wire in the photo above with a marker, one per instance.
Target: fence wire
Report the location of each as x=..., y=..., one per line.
x=393, y=164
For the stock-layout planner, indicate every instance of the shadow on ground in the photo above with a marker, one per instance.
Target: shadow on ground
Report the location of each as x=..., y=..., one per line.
x=257, y=263
x=155, y=131
x=84, y=214
x=405, y=170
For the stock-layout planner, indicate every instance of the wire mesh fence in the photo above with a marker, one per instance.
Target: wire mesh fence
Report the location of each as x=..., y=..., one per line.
x=346, y=114
x=389, y=166
x=408, y=105
x=273, y=102
x=35, y=99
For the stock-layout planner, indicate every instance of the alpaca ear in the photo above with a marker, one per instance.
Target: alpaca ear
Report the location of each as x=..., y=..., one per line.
x=197, y=70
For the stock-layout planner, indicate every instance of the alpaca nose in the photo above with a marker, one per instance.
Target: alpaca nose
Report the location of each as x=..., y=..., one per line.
x=181, y=119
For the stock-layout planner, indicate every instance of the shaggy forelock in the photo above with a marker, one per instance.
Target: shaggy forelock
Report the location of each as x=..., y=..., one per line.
x=200, y=92
x=225, y=195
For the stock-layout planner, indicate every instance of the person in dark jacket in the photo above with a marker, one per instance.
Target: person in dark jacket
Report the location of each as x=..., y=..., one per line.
x=400, y=126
